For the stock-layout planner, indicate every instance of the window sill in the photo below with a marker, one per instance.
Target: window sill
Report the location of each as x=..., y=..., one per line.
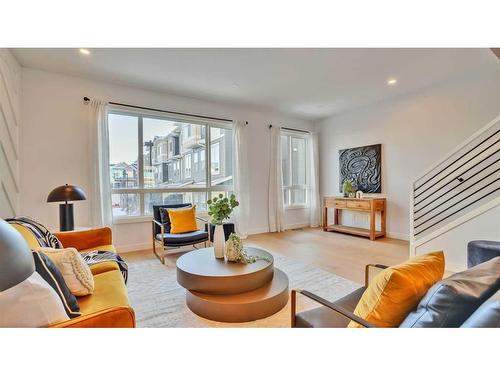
x=148, y=219
x=132, y=219
x=297, y=207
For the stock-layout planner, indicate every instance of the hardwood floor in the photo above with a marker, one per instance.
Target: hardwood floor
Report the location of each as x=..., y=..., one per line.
x=342, y=254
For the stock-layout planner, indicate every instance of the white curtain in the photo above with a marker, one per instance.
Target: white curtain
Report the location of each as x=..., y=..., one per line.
x=276, y=211
x=315, y=210
x=241, y=179
x=100, y=202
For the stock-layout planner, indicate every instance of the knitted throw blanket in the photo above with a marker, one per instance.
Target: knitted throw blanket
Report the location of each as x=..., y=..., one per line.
x=46, y=239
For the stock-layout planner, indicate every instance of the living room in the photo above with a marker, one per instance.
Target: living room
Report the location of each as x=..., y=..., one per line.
x=296, y=187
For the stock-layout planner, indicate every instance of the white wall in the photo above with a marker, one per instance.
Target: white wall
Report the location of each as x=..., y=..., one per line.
x=54, y=146
x=415, y=131
x=10, y=87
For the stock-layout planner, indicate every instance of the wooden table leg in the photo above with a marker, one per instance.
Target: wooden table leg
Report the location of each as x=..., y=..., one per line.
x=325, y=219
x=382, y=221
x=372, y=223
x=336, y=216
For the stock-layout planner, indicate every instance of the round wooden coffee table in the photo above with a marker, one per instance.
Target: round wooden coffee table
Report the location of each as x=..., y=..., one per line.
x=232, y=292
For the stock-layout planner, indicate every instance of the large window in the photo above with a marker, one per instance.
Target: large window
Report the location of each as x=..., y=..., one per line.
x=161, y=160
x=294, y=169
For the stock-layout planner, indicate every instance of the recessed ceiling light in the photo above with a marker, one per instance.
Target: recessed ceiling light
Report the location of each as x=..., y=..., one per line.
x=392, y=81
x=84, y=51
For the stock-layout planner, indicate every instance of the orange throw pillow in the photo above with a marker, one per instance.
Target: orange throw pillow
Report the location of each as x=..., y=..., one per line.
x=397, y=290
x=183, y=221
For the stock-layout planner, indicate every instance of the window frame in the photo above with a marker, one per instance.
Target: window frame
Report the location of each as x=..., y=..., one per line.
x=290, y=134
x=141, y=190
x=218, y=171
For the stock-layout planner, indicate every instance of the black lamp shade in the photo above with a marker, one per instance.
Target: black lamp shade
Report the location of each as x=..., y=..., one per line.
x=66, y=193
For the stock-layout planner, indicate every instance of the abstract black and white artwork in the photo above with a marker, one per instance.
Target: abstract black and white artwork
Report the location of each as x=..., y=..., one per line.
x=362, y=166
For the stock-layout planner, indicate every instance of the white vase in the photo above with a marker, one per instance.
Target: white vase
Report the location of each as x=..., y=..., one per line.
x=219, y=242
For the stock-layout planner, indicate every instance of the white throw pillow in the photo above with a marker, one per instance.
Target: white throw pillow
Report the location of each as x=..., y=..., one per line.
x=75, y=271
x=31, y=303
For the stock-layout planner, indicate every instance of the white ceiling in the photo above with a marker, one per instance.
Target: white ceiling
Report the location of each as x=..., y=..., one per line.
x=308, y=83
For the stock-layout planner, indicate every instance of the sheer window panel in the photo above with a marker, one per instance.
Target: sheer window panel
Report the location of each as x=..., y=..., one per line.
x=285, y=159
x=286, y=196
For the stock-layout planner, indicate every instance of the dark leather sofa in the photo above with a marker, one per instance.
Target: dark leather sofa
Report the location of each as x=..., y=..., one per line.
x=338, y=314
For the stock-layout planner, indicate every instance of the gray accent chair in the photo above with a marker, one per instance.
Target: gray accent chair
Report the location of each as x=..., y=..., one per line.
x=164, y=240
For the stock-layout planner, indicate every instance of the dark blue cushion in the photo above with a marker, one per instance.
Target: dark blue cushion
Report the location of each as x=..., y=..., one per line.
x=53, y=276
x=181, y=239
x=481, y=251
x=452, y=300
x=487, y=315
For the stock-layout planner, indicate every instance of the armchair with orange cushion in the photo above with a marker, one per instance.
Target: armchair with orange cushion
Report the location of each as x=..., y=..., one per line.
x=165, y=238
x=108, y=306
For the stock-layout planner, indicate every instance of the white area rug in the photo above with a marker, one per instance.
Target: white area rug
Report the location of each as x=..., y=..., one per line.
x=159, y=301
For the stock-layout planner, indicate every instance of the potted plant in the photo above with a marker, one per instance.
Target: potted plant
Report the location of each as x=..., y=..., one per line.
x=235, y=251
x=219, y=209
x=348, y=188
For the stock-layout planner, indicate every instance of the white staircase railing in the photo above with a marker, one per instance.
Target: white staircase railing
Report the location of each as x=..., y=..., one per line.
x=462, y=182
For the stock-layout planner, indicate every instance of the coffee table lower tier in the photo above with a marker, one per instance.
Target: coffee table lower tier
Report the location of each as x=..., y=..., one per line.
x=243, y=307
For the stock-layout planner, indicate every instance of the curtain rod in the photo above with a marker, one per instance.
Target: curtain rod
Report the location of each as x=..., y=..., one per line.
x=87, y=99
x=293, y=130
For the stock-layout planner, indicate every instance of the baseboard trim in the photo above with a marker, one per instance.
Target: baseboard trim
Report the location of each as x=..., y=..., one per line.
x=258, y=230
x=133, y=247
x=297, y=226
x=398, y=236
x=288, y=227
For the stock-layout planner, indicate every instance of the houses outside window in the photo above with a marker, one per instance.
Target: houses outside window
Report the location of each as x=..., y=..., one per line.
x=196, y=165
x=187, y=166
x=215, y=158
x=294, y=169
x=161, y=160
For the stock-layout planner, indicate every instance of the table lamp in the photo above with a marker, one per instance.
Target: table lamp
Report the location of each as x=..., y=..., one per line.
x=66, y=193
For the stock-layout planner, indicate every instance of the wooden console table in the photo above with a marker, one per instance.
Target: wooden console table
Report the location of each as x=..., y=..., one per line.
x=371, y=205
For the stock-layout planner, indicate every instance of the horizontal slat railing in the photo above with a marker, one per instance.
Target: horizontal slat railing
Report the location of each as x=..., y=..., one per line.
x=463, y=181
x=461, y=161
x=458, y=182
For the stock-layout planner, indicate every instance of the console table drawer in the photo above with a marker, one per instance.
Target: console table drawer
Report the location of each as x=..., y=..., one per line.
x=335, y=203
x=358, y=205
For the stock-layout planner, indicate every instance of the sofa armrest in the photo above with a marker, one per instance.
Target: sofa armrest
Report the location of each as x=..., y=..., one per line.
x=332, y=306
x=114, y=317
x=86, y=239
x=481, y=251
x=367, y=271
